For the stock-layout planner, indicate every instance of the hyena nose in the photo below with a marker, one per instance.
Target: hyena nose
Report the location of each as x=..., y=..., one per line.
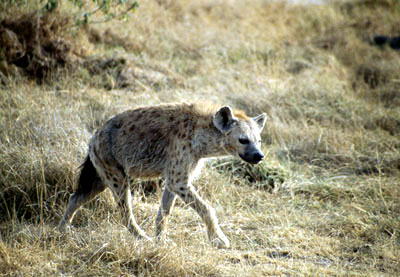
x=258, y=156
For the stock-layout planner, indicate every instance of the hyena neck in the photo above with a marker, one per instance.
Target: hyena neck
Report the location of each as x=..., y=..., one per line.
x=209, y=143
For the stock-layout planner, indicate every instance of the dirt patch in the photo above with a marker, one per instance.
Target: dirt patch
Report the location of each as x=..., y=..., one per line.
x=110, y=38
x=35, y=44
x=125, y=72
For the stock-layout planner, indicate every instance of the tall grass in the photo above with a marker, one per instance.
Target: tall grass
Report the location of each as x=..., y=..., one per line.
x=324, y=202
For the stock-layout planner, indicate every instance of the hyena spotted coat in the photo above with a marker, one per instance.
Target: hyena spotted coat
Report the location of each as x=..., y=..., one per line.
x=166, y=140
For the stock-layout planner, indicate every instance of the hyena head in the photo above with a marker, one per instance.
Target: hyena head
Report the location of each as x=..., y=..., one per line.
x=242, y=134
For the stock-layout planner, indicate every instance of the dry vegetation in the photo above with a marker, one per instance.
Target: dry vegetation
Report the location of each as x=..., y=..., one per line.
x=325, y=202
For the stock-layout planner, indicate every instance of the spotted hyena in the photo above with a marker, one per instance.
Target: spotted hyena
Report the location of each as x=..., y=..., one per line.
x=169, y=140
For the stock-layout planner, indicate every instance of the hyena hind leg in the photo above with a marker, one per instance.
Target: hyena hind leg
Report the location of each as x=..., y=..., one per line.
x=89, y=185
x=76, y=200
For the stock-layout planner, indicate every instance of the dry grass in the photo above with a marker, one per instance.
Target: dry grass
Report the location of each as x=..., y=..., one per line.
x=326, y=200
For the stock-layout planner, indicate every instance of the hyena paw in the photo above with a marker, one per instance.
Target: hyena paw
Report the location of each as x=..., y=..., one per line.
x=219, y=240
x=164, y=240
x=144, y=237
x=64, y=228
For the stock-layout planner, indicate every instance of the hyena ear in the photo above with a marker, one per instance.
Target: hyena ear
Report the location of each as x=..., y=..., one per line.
x=260, y=120
x=224, y=120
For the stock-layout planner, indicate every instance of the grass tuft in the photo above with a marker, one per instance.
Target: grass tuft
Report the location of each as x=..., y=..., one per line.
x=258, y=176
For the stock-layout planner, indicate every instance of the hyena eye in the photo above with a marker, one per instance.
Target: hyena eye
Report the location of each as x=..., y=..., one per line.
x=244, y=140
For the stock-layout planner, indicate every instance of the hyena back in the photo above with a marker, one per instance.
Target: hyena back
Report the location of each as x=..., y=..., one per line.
x=170, y=141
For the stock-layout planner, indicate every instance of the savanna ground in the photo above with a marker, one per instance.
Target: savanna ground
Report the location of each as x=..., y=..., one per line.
x=326, y=201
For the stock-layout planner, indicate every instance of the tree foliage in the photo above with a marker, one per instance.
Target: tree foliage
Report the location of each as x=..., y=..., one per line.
x=110, y=9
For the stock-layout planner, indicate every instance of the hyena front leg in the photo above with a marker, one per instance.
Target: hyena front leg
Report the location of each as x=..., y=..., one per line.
x=190, y=196
x=167, y=203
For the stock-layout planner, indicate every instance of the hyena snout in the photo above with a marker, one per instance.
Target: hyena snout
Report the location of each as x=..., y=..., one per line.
x=253, y=156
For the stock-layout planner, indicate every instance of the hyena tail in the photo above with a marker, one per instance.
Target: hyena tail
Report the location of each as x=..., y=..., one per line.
x=89, y=179
x=89, y=185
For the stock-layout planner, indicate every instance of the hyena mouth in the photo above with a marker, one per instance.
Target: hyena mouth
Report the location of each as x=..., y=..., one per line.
x=253, y=158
